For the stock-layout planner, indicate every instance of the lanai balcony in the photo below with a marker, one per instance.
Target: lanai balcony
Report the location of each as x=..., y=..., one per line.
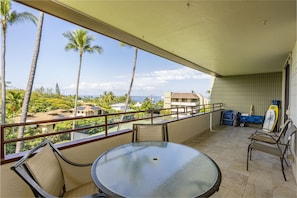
x=227, y=145
x=248, y=46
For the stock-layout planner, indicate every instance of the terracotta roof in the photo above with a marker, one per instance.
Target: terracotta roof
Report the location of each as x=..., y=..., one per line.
x=50, y=115
x=184, y=95
x=88, y=108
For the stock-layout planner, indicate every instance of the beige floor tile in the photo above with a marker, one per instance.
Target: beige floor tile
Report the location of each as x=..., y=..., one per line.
x=227, y=146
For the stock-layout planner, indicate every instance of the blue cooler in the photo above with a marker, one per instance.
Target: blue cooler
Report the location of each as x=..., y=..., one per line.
x=230, y=118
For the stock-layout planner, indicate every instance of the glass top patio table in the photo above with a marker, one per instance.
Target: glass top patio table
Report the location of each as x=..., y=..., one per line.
x=156, y=169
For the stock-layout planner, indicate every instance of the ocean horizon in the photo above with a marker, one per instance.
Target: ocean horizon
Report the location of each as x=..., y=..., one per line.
x=135, y=98
x=141, y=98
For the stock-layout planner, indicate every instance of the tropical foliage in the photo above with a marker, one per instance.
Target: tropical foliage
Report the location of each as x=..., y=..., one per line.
x=14, y=102
x=44, y=100
x=40, y=102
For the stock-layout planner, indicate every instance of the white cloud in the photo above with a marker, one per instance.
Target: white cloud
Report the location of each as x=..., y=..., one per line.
x=106, y=86
x=183, y=73
x=143, y=81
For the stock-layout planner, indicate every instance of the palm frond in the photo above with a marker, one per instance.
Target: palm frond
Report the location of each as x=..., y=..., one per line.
x=79, y=40
x=5, y=6
x=15, y=17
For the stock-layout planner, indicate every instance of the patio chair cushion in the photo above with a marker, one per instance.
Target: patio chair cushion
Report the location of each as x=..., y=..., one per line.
x=83, y=190
x=153, y=132
x=46, y=171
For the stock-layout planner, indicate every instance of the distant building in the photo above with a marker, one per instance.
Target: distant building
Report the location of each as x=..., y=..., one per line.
x=202, y=100
x=119, y=106
x=50, y=115
x=85, y=110
x=183, y=101
x=138, y=104
x=88, y=110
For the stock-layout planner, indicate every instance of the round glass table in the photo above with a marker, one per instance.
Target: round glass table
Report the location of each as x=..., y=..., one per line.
x=156, y=169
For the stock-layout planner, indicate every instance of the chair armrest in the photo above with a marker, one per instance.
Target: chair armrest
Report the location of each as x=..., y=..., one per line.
x=263, y=134
x=73, y=163
x=264, y=137
x=260, y=131
x=67, y=160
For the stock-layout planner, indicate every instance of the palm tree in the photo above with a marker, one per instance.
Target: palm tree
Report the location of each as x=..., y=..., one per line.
x=30, y=82
x=107, y=97
x=80, y=41
x=131, y=82
x=8, y=17
x=14, y=102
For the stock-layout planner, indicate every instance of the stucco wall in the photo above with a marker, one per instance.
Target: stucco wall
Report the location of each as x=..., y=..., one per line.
x=240, y=92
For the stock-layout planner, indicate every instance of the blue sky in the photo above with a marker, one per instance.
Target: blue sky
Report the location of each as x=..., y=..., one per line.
x=109, y=71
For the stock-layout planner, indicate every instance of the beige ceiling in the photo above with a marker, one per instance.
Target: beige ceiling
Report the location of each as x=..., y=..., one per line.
x=219, y=37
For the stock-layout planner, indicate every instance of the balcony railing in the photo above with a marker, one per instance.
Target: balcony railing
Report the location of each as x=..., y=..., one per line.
x=185, y=103
x=88, y=128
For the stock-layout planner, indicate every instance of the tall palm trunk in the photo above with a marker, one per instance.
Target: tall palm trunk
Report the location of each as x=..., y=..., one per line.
x=27, y=97
x=76, y=93
x=131, y=85
x=77, y=84
x=3, y=87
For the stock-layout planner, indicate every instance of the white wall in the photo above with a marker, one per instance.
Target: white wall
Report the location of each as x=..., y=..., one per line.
x=293, y=105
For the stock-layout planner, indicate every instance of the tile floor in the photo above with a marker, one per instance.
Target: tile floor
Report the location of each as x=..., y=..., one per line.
x=228, y=147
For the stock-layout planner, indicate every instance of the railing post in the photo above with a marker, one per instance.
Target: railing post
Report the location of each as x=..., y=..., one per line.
x=106, y=125
x=2, y=143
x=152, y=116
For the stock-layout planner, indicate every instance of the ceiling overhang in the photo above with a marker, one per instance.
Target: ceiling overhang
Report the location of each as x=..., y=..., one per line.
x=220, y=38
